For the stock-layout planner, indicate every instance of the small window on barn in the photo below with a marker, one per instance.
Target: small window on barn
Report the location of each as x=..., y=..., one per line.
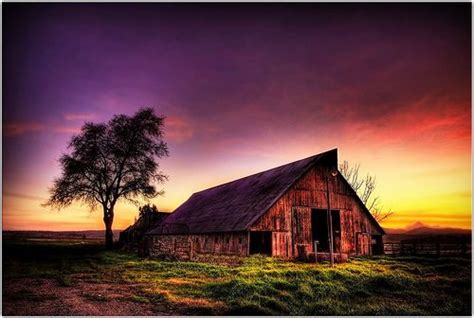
x=227, y=240
x=240, y=240
x=216, y=240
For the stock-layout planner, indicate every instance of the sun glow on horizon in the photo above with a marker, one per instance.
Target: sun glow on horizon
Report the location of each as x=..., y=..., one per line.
x=413, y=196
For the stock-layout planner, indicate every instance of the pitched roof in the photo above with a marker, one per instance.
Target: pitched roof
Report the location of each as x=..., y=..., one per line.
x=236, y=205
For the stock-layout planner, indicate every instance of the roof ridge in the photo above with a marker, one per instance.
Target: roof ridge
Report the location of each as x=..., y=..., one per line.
x=254, y=174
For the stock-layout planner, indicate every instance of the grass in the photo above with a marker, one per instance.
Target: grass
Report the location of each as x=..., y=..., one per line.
x=139, y=299
x=255, y=285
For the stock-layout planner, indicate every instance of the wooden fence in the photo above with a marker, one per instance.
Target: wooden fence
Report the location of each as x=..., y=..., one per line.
x=427, y=248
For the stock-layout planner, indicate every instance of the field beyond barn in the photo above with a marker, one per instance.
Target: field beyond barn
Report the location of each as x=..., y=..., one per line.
x=78, y=277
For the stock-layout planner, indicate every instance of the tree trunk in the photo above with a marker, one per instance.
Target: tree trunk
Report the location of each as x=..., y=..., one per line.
x=109, y=234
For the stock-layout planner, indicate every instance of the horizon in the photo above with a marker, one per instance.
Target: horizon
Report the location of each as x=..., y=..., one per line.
x=409, y=227
x=244, y=88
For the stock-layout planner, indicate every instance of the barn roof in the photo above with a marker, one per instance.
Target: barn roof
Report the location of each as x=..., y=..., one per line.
x=236, y=205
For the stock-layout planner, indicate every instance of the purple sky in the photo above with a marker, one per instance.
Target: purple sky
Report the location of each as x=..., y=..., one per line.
x=245, y=87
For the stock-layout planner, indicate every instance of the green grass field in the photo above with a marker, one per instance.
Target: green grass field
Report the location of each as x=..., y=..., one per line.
x=255, y=285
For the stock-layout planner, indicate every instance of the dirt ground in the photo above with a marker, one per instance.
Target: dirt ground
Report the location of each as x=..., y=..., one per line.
x=72, y=277
x=47, y=297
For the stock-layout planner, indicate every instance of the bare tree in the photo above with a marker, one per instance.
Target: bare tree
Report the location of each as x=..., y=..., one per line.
x=112, y=161
x=365, y=187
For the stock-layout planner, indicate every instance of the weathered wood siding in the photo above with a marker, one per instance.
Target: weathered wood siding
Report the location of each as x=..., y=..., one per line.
x=186, y=246
x=290, y=217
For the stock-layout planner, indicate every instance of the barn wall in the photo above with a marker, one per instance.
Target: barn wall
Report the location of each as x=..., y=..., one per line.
x=292, y=228
x=187, y=246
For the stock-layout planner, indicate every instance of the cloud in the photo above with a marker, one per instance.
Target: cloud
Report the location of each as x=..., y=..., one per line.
x=67, y=129
x=424, y=122
x=24, y=196
x=80, y=116
x=22, y=128
x=178, y=129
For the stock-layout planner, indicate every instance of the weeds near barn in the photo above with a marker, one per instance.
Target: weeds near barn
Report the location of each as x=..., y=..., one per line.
x=255, y=285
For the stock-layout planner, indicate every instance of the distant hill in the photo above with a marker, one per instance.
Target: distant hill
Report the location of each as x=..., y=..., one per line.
x=405, y=229
x=420, y=228
x=420, y=231
x=394, y=231
x=436, y=230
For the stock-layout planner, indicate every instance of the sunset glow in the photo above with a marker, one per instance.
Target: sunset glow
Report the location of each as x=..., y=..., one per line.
x=244, y=88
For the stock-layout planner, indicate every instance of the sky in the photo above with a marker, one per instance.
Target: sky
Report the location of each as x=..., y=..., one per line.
x=244, y=88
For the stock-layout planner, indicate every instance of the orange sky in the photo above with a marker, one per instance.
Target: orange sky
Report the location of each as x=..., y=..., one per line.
x=244, y=90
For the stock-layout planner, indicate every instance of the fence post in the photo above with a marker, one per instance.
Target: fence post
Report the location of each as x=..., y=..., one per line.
x=463, y=249
x=414, y=248
x=315, y=251
x=190, y=241
x=402, y=249
x=438, y=249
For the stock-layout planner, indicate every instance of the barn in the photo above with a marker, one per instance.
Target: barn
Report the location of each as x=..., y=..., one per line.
x=281, y=212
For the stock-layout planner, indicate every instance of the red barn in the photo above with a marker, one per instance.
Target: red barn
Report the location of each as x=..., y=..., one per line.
x=280, y=212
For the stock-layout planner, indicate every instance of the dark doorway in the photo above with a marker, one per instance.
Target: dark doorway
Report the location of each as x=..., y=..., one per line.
x=319, y=226
x=261, y=243
x=377, y=245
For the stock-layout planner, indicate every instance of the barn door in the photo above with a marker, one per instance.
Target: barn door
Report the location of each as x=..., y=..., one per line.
x=300, y=230
x=363, y=244
x=261, y=243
